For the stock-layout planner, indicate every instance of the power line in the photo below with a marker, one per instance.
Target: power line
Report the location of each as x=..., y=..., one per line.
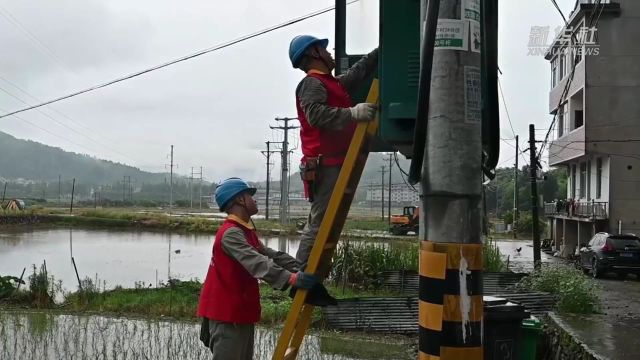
x=560, y=11
x=184, y=58
x=66, y=126
x=50, y=132
x=47, y=50
x=506, y=109
x=565, y=91
x=78, y=123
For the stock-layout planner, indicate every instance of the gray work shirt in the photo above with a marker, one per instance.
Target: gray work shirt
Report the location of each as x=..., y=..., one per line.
x=313, y=95
x=274, y=267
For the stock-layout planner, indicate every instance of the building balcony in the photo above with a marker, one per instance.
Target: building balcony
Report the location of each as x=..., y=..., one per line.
x=583, y=210
x=567, y=147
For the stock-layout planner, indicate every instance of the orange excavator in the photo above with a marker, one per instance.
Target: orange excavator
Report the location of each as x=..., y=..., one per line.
x=408, y=221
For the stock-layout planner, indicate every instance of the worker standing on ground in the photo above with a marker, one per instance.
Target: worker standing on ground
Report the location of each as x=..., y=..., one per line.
x=327, y=123
x=230, y=297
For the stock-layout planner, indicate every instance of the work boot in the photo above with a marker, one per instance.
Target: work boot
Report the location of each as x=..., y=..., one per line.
x=317, y=296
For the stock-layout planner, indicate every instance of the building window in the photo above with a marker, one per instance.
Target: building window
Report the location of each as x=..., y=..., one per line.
x=554, y=72
x=573, y=181
x=583, y=180
x=562, y=66
x=589, y=180
x=579, y=114
x=567, y=121
x=598, y=178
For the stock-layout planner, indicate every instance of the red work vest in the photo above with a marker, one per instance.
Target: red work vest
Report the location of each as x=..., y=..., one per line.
x=230, y=293
x=331, y=144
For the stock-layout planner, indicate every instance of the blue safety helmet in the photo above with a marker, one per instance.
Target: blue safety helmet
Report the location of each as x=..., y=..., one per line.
x=299, y=46
x=231, y=188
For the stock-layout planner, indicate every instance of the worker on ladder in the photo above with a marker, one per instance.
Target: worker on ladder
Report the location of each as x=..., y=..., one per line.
x=327, y=123
x=230, y=297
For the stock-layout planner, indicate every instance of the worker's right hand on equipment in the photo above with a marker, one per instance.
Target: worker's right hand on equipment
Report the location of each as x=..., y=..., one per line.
x=303, y=280
x=363, y=112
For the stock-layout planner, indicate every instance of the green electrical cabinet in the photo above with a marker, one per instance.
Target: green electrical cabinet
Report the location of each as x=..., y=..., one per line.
x=399, y=71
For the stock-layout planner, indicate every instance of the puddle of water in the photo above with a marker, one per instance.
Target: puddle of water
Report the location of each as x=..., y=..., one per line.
x=608, y=336
x=521, y=261
x=40, y=335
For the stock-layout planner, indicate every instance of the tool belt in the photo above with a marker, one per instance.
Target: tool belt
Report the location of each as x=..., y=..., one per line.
x=309, y=168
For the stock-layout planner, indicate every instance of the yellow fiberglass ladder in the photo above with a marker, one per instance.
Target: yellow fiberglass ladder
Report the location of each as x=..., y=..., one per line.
x=299, y=317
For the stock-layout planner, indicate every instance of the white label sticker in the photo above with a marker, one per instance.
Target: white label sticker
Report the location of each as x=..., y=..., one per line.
x=471, y=10
x=451, y=35
x=476, y=38
x=472, y=95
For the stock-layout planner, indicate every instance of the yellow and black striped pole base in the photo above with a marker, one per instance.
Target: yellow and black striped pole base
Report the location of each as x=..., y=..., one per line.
x=450, y=307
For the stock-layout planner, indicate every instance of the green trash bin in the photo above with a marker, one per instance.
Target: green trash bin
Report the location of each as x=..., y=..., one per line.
x=531, y=331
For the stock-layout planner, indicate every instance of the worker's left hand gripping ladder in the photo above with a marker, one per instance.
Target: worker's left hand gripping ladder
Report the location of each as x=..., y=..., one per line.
x=299, y=317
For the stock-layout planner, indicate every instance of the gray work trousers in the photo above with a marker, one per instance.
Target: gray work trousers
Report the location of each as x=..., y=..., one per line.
x=229, y=341
x=326, y=179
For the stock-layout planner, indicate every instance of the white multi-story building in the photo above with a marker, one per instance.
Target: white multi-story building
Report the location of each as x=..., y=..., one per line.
x=400, y=194
x=597, y=134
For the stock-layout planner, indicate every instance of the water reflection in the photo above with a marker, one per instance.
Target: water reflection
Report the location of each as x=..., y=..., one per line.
x=38, y=335
x=116, y=257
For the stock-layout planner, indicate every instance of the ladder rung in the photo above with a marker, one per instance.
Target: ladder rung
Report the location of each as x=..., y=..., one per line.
x=329, y=246
x=291, y=353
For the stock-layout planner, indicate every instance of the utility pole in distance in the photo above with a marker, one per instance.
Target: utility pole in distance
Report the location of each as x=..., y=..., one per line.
x=267, y=154
x=171, y=166
x=389, y=186
x=515, y=191
x=382, y=171
x=190, y=189
x=200, y=191
x=533, y=174
x=284, y=175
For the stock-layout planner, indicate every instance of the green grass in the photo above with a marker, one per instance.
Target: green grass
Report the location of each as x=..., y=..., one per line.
x=181, y=301
x=367, y=224
x=575, y=292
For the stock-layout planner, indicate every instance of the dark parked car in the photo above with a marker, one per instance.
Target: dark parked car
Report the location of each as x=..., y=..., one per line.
x=607, y=252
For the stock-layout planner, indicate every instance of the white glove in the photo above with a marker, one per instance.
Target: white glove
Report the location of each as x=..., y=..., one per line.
x=363, y=112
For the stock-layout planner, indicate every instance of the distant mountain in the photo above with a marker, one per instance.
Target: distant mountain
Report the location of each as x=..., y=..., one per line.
x=31, y=161
x=372, y=174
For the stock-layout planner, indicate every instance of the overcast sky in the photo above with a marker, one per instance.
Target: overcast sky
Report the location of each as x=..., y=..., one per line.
x=216, y=109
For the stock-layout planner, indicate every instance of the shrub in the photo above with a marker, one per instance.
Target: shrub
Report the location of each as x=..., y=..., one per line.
x=575, y=292
x=492, y=257
x=42, y=292
x=8, y=285
x=361, y=263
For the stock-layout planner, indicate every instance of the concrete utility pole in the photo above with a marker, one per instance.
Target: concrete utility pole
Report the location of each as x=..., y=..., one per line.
x=515, y=191
x=533, y=174
x=451, y=224
x=284, y=175
x=382, y=171
x=171, y=166
x=267, y=154
x=200, y=191
x=190, y=191
x=73, y=190
x=191, y=187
